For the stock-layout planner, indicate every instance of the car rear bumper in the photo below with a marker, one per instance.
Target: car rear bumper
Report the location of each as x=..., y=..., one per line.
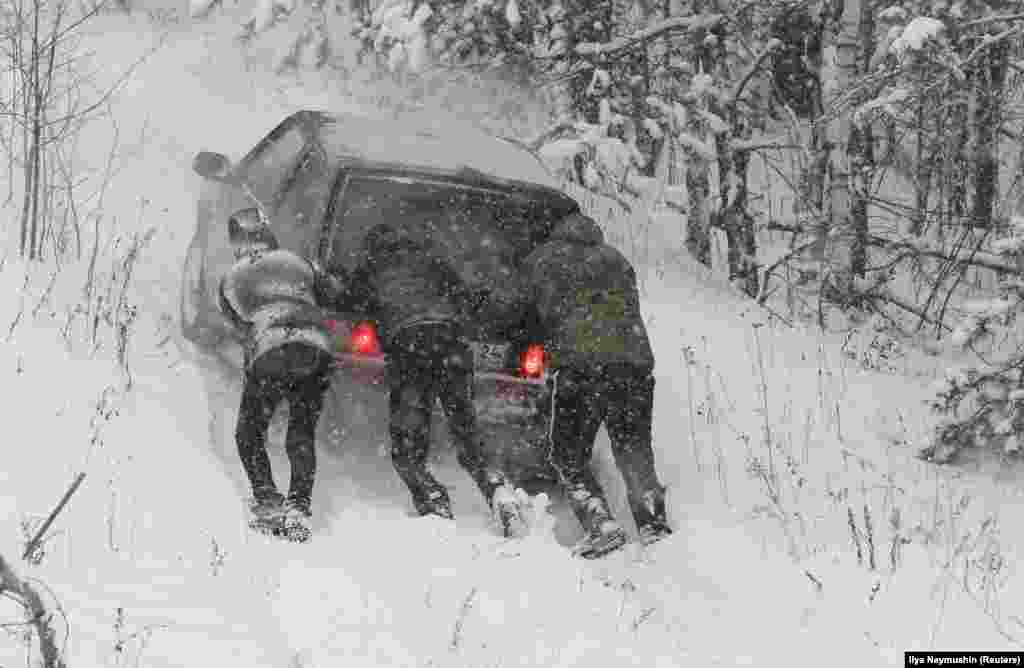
x=500, y=397
x=512, y=414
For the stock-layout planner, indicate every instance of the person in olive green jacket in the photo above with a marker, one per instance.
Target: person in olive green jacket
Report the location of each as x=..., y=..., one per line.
x=586, y=306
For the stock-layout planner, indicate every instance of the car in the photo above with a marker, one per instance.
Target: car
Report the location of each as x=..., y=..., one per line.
x=323, y=180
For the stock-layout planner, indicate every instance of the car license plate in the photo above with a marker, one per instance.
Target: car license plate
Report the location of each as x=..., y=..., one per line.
x=489, y=356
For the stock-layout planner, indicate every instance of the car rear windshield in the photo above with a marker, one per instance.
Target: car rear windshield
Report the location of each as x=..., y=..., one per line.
x=473, y=227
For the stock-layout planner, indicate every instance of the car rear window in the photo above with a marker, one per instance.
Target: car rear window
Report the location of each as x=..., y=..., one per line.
x=481, y=231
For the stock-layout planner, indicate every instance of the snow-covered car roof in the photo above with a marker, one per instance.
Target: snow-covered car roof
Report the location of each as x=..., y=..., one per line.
x=421, y=140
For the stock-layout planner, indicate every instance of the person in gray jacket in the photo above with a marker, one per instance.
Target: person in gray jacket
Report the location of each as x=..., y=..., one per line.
x=586, y=306
x=274, y=299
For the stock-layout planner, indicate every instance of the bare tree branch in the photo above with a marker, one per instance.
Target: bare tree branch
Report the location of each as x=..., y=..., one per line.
x=913, y=310
x=737, y=91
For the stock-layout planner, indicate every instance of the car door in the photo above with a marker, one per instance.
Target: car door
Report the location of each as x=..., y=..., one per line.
x=268, y=166
x=301, y=205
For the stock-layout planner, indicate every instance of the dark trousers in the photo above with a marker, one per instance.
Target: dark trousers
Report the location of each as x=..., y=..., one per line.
x=621, y=398
x=427, y=363
x=266, y=386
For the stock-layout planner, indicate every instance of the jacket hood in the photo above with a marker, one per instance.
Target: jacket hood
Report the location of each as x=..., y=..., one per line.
x=578, y=228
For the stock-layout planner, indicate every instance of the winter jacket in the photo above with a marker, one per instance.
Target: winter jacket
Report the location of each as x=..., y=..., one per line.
x=275, y=297
x=586, y=301
x=406, y=286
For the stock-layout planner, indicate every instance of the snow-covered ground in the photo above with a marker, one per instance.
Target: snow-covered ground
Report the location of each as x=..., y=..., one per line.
x=806, y=532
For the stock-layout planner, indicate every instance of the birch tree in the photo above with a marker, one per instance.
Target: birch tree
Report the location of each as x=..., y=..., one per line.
x=839, y=237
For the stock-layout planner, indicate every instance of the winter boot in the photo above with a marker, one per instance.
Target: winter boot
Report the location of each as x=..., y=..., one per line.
x=605, y=538
x=502, y=501
x=295, y=526
x=266, y=513
x=603, y=534
x=433, y=501
x=429, y=496
x=507, y=512
x=651, y=517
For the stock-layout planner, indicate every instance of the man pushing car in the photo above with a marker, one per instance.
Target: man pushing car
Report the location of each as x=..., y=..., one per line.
x=586, y=305
x=419, y=303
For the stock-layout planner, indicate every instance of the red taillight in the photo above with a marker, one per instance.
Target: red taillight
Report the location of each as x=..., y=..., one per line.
x=364, y=339
x=531, y=363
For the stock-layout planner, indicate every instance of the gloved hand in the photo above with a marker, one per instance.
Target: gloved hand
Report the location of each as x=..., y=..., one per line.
x=331, y=287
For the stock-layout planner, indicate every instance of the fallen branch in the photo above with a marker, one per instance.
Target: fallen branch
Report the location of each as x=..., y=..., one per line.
x=34, y=543
x=37, y=615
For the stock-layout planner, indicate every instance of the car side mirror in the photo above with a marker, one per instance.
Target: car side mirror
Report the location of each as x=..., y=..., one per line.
x=213, y=166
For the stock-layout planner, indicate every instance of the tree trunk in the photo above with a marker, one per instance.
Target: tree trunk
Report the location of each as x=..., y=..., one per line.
x=987, y=117
x=734, y=217
x=862, y=169
x=957, y=168
x=839, y=65
x=562, y=92
x=811, y=198
x=698, y=189
x=922, y=174
x=861, y=149
x=586, y=106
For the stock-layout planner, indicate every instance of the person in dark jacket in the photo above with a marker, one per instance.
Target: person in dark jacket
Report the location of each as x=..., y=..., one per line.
x=274, y=299
x=417, y=298
x=587, y=308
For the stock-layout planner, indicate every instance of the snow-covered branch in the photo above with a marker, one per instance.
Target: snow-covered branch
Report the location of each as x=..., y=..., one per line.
x=977, y=258
x=1006, y=18
x=544, y=137
x=681, y=24
x=991, y=41
x=750, y=145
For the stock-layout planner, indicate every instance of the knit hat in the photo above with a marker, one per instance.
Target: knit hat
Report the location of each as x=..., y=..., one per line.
x=247, y=230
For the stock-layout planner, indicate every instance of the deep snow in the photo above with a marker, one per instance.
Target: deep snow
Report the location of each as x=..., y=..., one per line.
x=756, y=574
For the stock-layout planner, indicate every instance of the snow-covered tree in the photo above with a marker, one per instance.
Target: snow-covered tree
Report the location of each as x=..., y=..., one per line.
x=629, y=83
x=983, y=404
x=307, y=29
